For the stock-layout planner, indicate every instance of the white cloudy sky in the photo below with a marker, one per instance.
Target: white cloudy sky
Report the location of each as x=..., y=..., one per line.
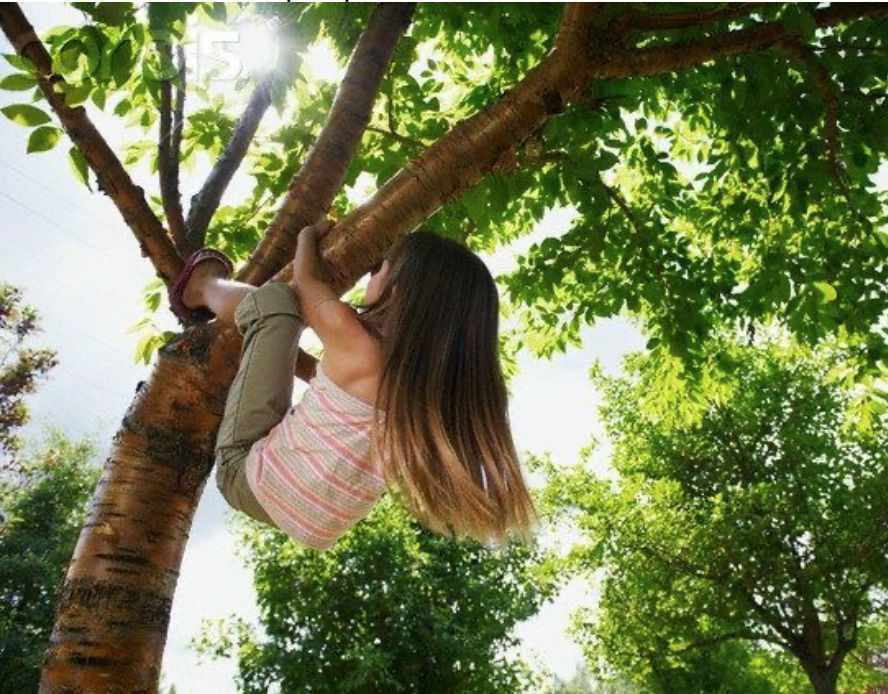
x=80, y=267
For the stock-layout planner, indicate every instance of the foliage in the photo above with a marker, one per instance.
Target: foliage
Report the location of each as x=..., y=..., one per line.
x=718, y=195
x=755, y=515
x=21, y=367
x=45, y=506
x=390, y=608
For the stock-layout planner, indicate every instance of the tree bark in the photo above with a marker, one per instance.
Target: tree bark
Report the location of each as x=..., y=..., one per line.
x=312, y=191
x=170, y=133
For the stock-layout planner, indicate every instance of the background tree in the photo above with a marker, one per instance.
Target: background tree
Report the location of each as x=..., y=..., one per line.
x=719, y=157
x=750, y=513
x=390, y=608
x=21, y=367
x=45, y=508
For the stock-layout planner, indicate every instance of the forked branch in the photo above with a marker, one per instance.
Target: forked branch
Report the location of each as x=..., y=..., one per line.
x=314, y=187
x=680, y=55
x=113, y=179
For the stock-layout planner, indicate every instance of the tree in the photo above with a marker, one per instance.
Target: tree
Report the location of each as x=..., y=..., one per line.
x=45, y=509
x=390, y=608
x=21, y=368
x=517, y=111
x=752, y=513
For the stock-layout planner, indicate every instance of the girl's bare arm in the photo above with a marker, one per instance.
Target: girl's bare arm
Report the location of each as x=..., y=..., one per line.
x=335, y=322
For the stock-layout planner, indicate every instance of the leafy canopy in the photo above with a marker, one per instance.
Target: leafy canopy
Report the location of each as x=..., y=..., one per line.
x=729, y=193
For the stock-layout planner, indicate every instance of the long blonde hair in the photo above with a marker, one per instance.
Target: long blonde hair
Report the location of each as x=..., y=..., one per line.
x=444, y=439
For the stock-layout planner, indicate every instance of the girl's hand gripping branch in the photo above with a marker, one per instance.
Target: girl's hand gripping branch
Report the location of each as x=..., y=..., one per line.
x=335, y=323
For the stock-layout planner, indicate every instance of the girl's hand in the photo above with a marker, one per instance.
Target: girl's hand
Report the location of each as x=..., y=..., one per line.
x=307, y=262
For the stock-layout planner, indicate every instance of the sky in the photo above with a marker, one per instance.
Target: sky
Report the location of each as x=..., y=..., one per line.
x=80, y=267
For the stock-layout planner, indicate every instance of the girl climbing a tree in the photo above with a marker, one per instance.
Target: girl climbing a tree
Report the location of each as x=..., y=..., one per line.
x=408, y=395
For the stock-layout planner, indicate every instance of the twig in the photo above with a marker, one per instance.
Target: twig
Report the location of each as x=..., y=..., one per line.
x=167, y=153
x=205, y=203
x=395, y=136
x=798, y=51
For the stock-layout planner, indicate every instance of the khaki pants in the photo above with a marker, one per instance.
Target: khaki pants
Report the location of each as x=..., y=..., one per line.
x=262, y=392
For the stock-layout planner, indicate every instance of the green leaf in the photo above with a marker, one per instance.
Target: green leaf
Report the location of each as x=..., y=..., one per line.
x=44, y=139
x=18, y=83
x=828, y=291
x=20, y=63
x=882, y=235
x=79, y=166
x=25, y=114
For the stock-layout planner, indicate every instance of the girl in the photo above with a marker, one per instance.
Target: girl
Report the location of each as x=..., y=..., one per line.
x=408, y=395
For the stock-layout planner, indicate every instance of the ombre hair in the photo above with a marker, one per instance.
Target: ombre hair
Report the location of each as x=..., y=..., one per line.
x=444, y=438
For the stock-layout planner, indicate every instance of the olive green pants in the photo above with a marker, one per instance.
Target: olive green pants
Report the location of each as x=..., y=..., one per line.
x=262, y=392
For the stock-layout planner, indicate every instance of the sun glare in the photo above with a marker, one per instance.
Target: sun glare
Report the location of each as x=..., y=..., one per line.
x=321, y=64
x=257, y=47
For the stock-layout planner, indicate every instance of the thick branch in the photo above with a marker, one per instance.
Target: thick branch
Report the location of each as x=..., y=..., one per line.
x=314, y=187
x=205, y=203
x=647, y=21
x=677, y=56
x=112, y=177
x=167, y=153
x=462, y=157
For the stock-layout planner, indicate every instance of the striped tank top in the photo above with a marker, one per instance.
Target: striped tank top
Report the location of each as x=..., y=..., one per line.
x=312, y=472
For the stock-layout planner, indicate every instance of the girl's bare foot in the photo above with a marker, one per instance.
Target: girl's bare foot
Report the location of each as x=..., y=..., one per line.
x=202, y=278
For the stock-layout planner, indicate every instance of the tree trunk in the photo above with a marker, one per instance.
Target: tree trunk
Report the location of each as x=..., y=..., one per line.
x=823, y=680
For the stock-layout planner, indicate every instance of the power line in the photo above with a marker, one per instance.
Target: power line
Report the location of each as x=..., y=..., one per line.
x=55, y=194
x=110, y=255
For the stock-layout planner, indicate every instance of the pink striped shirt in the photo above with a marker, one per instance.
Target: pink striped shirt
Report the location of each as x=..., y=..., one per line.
x=312, y=472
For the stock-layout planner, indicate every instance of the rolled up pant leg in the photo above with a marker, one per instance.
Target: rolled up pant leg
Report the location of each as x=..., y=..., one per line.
x=262, y=391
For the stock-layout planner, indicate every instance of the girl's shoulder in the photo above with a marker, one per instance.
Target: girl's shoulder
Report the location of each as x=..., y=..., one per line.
x=356, y=372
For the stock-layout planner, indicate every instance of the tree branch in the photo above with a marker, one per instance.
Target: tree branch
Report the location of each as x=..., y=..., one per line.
x=113, y=179
x=462, y=157
x=205, y=203
x=649, y=21
x=798, y=51
x=676, y=56
x=312, y=191
x=168, y=152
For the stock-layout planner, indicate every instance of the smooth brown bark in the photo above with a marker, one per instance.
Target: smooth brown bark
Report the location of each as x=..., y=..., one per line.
x=649, y=21
x=682, y=55
x=112, y=177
